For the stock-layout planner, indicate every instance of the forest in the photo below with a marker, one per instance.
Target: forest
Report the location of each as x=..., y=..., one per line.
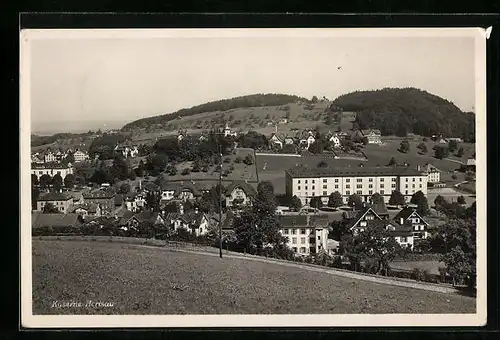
x=399, y=111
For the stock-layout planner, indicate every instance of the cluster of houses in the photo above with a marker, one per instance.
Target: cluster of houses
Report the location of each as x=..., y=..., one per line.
x=225, y=131
x=56, y=156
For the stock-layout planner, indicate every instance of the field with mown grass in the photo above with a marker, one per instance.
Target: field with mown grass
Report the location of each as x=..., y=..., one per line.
x=148, y=280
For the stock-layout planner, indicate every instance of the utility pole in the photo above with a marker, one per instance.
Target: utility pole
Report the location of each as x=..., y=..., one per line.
x=220, y=202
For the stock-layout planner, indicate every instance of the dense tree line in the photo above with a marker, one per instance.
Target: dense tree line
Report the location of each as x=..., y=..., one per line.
x=43, y=140
x=105, y=145
x=398, y=112
x=254, y=100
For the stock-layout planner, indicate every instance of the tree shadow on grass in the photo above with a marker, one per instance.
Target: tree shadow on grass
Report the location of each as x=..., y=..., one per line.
x=466, y=291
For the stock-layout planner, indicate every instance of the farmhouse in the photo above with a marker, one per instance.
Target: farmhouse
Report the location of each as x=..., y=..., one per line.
x=368, y=218
x=333, y=139
x=306, y=183
x=153, y=218
x=228, y=132
x=49, y=156
x=37, y=159
x=306, y=234
x=51, y=169
x=372, y=135
x=409, y=217
x=471, y=164
x=61, y=201
x=239, y=193
x=127, y=150
x=186, y=191
x=134, y=201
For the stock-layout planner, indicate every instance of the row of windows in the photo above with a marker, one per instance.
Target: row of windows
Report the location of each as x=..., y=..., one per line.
x=359, y=180
x=302, y=250
x=358, y=186
x=294, y=231
x=303, y=240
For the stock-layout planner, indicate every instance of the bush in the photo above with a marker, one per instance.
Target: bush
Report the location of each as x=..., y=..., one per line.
x=186, y=171
x=227, y=160
x=417, y=274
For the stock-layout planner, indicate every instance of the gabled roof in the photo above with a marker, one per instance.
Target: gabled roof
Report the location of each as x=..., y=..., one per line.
x=193, y=218
x=380, y=209
x=370, y=131
x=360, y=214
x=151, y=187
x=89, y=207
x=399, y=230
x=99, y=194
x=147, y=216
x=247, y=188
x=55, y=196
x=407, y=213
x=54, y=220
x=471, y=161
x=183, y=186
x=303, y=221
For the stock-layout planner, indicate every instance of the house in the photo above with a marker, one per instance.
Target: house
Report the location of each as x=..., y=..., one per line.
x=86, y=209
x=168, y=190
x=305, y=138
x=134, y=201
x=153, y=218
x=105, y=198
x=455, y=139
x=127, y=150
x=77, y=196
x=37, y=159
x=306, y=234
x=372, y=135
x=442, y=140
x=49, y=156
x=283, y=121
x=228, y=132
x=51, y=169
x=59, y=155
x=186, y=191
x=39, y=220
x=276, y=141
x=288, y=140
x=367, y=218
x=332, y=247
x=333, y=139
x=433, y=173
x=471, y=164
x=194, y=221
x=61, y=201
x=409, y=217
x=239, y=193
x=80, y=156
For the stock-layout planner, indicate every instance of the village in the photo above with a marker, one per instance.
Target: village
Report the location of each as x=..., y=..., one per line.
x=312, y=202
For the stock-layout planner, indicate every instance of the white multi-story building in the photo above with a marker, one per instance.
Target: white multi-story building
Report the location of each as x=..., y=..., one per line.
x=51, y=170
x=307, y=234
x=433, y=173
x=80, y=156
x=306, y=183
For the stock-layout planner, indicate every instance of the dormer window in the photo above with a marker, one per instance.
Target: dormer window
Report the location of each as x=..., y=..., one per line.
x=362, y=223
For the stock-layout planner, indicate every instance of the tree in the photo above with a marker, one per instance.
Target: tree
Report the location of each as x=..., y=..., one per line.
x=119, y=169
x=69, y=181
x=335, y=200
x=45, y=181
x=139, y=171
x=248, y=160
x=316, y=202
x=355, y=201
x=314, y=99
x=452, y=145
x=153, y=201
x=457, y=264
x=373, y=248
x=57, y=182
x=377, y=199
x=338, y=229
x=322, y=164
x=404, y=146
x=124, y=188
x=156, y=164
x=70, y=158
x=440, y=202
x=397, y=198
x=132, y=175
x=35, y=194
x=49, y=208
x=295, y=203
x=461, y=200
x=460, y=152
x=441, y=152
x=317, y=147
x=392, y=161
x=420, y=200
x=34, y=180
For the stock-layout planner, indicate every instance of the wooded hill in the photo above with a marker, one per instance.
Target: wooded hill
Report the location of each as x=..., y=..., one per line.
x=396, y=111
x=255, y=100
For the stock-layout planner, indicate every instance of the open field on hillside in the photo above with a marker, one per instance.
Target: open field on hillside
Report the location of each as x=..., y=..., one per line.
x=141, y=280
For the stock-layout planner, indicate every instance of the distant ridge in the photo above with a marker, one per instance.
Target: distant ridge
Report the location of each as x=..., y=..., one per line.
x=254, y=100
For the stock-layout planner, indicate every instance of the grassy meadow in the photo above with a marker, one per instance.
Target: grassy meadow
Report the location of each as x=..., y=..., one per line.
x=143, y=280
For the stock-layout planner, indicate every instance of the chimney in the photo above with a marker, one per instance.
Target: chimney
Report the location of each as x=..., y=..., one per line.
x=401, y=221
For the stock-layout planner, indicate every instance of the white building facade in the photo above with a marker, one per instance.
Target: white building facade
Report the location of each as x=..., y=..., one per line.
x=306, y=183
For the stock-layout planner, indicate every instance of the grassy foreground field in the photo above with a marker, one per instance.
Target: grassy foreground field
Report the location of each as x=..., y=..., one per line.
x=141, y=280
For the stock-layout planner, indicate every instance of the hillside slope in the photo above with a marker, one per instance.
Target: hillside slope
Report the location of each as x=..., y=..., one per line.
x=398, y=111
x=255, y=100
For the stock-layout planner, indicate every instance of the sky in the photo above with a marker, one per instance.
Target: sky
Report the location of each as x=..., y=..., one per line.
x=79, y=84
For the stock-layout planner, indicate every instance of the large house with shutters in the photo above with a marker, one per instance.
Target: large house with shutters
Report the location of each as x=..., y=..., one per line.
x=367, y=217
x=373, y=136
x=51, y=169
x=194, y=221
x=306, y=234
x=410, y=217
x=61, y=201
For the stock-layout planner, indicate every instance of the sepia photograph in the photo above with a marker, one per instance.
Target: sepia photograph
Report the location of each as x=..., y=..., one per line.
x=253, y=177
